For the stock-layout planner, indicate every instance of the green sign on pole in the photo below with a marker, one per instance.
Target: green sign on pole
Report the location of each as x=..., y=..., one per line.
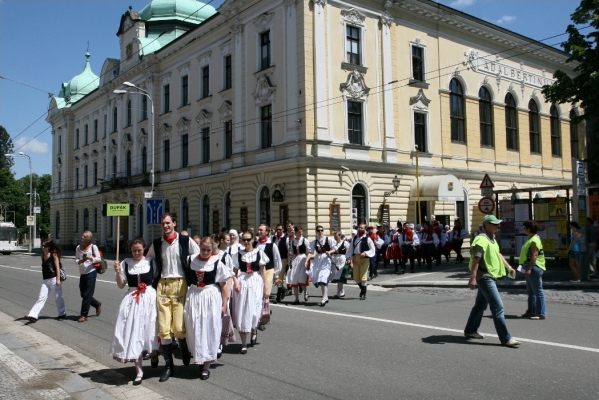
x=117, y=210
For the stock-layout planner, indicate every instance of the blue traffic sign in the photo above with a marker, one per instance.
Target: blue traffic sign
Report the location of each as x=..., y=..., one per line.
x=153, y=211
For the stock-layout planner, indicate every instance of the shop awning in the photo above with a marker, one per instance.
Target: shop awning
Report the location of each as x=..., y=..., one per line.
x=438, y=188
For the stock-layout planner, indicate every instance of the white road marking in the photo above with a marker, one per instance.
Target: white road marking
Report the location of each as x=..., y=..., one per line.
x=424, y=274
x=69, y=276
x=19, y=366
x=438, y=328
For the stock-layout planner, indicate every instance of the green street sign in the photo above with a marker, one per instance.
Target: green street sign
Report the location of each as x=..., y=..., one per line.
x=117, y=210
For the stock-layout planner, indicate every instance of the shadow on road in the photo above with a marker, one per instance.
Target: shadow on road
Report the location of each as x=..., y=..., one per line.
x=445, y=339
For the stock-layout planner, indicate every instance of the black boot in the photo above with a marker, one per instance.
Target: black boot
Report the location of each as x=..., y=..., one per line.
x=280, y=291
x=185, y=355
x=154, y=360
x=362, y=292
x=169, y=367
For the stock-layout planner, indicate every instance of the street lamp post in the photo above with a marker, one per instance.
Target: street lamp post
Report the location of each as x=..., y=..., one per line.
x=418, y=186
x=21, y=154
x=143, y=92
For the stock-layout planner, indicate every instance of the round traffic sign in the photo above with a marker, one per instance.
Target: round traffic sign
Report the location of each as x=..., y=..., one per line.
x=486, y=205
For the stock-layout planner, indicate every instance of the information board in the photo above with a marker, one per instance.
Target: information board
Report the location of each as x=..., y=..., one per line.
x=335, y=217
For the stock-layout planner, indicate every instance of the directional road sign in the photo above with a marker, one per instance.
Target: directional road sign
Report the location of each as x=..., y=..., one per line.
x=486, y=205
x=153, y=211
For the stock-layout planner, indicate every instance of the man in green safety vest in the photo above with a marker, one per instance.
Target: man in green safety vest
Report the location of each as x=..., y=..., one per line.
x=486, y=266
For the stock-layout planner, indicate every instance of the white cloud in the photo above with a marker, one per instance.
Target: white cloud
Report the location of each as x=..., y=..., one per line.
x=506, y=19
x=461, y=3
x=34, y=146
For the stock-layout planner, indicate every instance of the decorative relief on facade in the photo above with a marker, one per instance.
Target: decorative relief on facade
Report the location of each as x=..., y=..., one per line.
x=226, y=49
x=184, y=69
x=94, y=155
x=112, y=147
x=142, y=138
x=265, y=22
x=76, y=161
x=354, y=87
x=420, y=101
x=85, y=158
x=485, y=65
x=237, y=27
x=226, y=111
x=183, y=125
x=353, y=17
x=165, y=130
x=320, y=3
x=264, y=93
x=165, y=79
x=456, y=73
x=204, y=118
x=103, y=150
x=204, y=59
x=386, y=19
x=289, y=3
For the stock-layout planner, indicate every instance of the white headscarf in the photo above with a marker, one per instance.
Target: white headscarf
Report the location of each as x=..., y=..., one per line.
x=234, y=232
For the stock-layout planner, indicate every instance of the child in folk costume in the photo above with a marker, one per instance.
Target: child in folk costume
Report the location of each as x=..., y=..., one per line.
x=135, y=329
x=300, y=262
x=222, y=251
x=205, y=305
x=249, y=281
x=394, y=250
x=429, y=243
x=340, y=266
x=322, y=267
x=445, y=242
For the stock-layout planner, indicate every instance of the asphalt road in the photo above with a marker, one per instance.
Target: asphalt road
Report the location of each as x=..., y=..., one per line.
x=394, y=345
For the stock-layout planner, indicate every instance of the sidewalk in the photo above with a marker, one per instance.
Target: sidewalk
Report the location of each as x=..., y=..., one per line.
x=35, y=366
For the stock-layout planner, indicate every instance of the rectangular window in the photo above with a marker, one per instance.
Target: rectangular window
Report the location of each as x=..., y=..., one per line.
x=420, y=132
x=144, y=108
x=458, y=129
x=486, y=123
x=115, y=114
x=228, y=139
x=556, y=148
x=166, y=154
x=205, y=145
x=77, y=138
x=85, y=176
x=166, y=99
x=104, y=170
x=105, y=125
x=418, y=63
x=228, y=73
x=59, y=144
x=95, y=177
x=85, y=135
x=352, y=46
x=266, y=126
x=574, y=139
x=354, y=122
x=265, y=50
x=184, y=151
x=205, y=81
x=95, y=130
x=76, y=178
x=511, y=128
x=59, y=181
x=535, y=140
x=184, y=91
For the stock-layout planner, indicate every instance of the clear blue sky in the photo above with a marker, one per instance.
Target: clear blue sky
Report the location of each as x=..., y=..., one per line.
x=43, y=43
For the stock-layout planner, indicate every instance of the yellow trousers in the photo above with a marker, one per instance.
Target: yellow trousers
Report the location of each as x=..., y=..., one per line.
x=283, y=273
x=270, y=276
x=171, y=294
x=361, y=268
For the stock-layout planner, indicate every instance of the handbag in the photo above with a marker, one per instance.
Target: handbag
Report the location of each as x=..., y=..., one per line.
x=265, y=315
x=228, y=333
x=63, y=274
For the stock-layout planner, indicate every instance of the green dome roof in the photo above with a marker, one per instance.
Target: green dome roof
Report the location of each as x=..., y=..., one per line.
x=81, y=85
x=191, y=11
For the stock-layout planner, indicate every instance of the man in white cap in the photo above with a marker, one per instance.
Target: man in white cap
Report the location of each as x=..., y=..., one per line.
x=486, y=266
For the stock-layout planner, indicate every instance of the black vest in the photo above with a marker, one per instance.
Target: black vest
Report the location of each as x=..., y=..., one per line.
x=209, y=277
x=360, y=244
x=255, y=265
x=283, y=252
x=133, y=280
x=320, y=249
x=183, y=255
x=302, y=247
x=342, y=249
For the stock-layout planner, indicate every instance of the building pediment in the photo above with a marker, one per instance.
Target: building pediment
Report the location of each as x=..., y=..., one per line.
x=204, y=118
x=353, y=17
x=355, y=87
x=420, y=98
x=183, y=124
x=226, y=111
x=264, y=92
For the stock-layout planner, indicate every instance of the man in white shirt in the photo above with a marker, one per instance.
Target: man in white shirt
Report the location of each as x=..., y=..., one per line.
x=170, y=254
x=274, y=265
x=86, y=255
x=360, y=249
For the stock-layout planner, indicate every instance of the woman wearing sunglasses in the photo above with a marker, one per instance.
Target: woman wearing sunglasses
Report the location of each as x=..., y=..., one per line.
x=299, y=254
x=323, y=247
x=205, y=305
x=249, y=281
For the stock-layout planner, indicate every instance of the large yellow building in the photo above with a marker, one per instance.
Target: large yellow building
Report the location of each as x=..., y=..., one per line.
x=309, y=110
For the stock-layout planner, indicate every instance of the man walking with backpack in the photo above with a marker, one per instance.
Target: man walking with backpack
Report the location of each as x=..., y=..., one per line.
x=170, y=254
x=86, y=255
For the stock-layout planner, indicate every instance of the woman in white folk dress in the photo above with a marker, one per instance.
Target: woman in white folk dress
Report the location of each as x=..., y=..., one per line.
x=205, y=305
x=340, y=266
x=322, y=266
x=227, y=335
x=297, y=275
x=135, y=329
x=249, y=281
x=234, y=243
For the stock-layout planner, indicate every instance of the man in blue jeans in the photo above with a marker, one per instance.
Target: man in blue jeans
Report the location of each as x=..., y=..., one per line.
x=486, y=266
x=86, y=255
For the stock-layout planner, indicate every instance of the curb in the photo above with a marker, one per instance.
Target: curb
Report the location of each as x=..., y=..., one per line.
x=501, y=285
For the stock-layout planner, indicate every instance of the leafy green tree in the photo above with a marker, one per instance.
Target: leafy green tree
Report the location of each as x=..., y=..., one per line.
x=44, y=185
x=6, y=147
x=582, y=89
x=13, y=198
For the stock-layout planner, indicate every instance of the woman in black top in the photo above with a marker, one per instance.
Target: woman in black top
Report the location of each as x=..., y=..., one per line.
x=51, y=282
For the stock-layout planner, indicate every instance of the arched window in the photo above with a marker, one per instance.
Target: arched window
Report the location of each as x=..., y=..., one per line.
x=167, y=206
x=511, y=122
x=574, y=135
x=456, y=111
x=140, y=220
x=227, y=211
x=128, y=166
x=184, y=214
x=129, y=113
x=57, y=225
x=556, y=142
x=264, y=203
x=533, y=123
x=114, y=166
x=358, y=202
x=205, y=216
x=144, y=160
x=115, y=114
x=76, y=220
x=485, y=109
x=85, y=220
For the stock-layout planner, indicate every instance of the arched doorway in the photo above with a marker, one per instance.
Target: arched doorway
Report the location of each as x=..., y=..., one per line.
x=358, y=203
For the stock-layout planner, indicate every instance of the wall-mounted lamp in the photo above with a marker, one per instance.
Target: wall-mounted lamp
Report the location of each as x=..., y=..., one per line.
x=343, y=169
x=396, y=181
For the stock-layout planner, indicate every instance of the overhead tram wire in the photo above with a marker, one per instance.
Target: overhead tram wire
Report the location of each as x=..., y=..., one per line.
x=257, y=120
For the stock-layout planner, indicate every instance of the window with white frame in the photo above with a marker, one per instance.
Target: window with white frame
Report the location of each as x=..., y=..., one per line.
x=166, y=99
x=205, y=145
x=355, y=132
x=266, y=126
x=353, y=28
x=228, y=72
x=352, y=45
x=184, y=90
x=205, y=81
x=418, y=63
x=265, y=50
x=184, y=151
x=420, y=131
x=166, y=155
x=85, y=135
x=228, y=131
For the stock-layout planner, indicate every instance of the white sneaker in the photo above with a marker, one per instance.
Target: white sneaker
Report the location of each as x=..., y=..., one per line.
x=512, y=343
x=474, y=335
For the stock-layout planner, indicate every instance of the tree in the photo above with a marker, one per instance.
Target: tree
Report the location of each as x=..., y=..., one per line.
x=44, y=185
x=13, y=198
x=583, y=89
x=6, y=147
